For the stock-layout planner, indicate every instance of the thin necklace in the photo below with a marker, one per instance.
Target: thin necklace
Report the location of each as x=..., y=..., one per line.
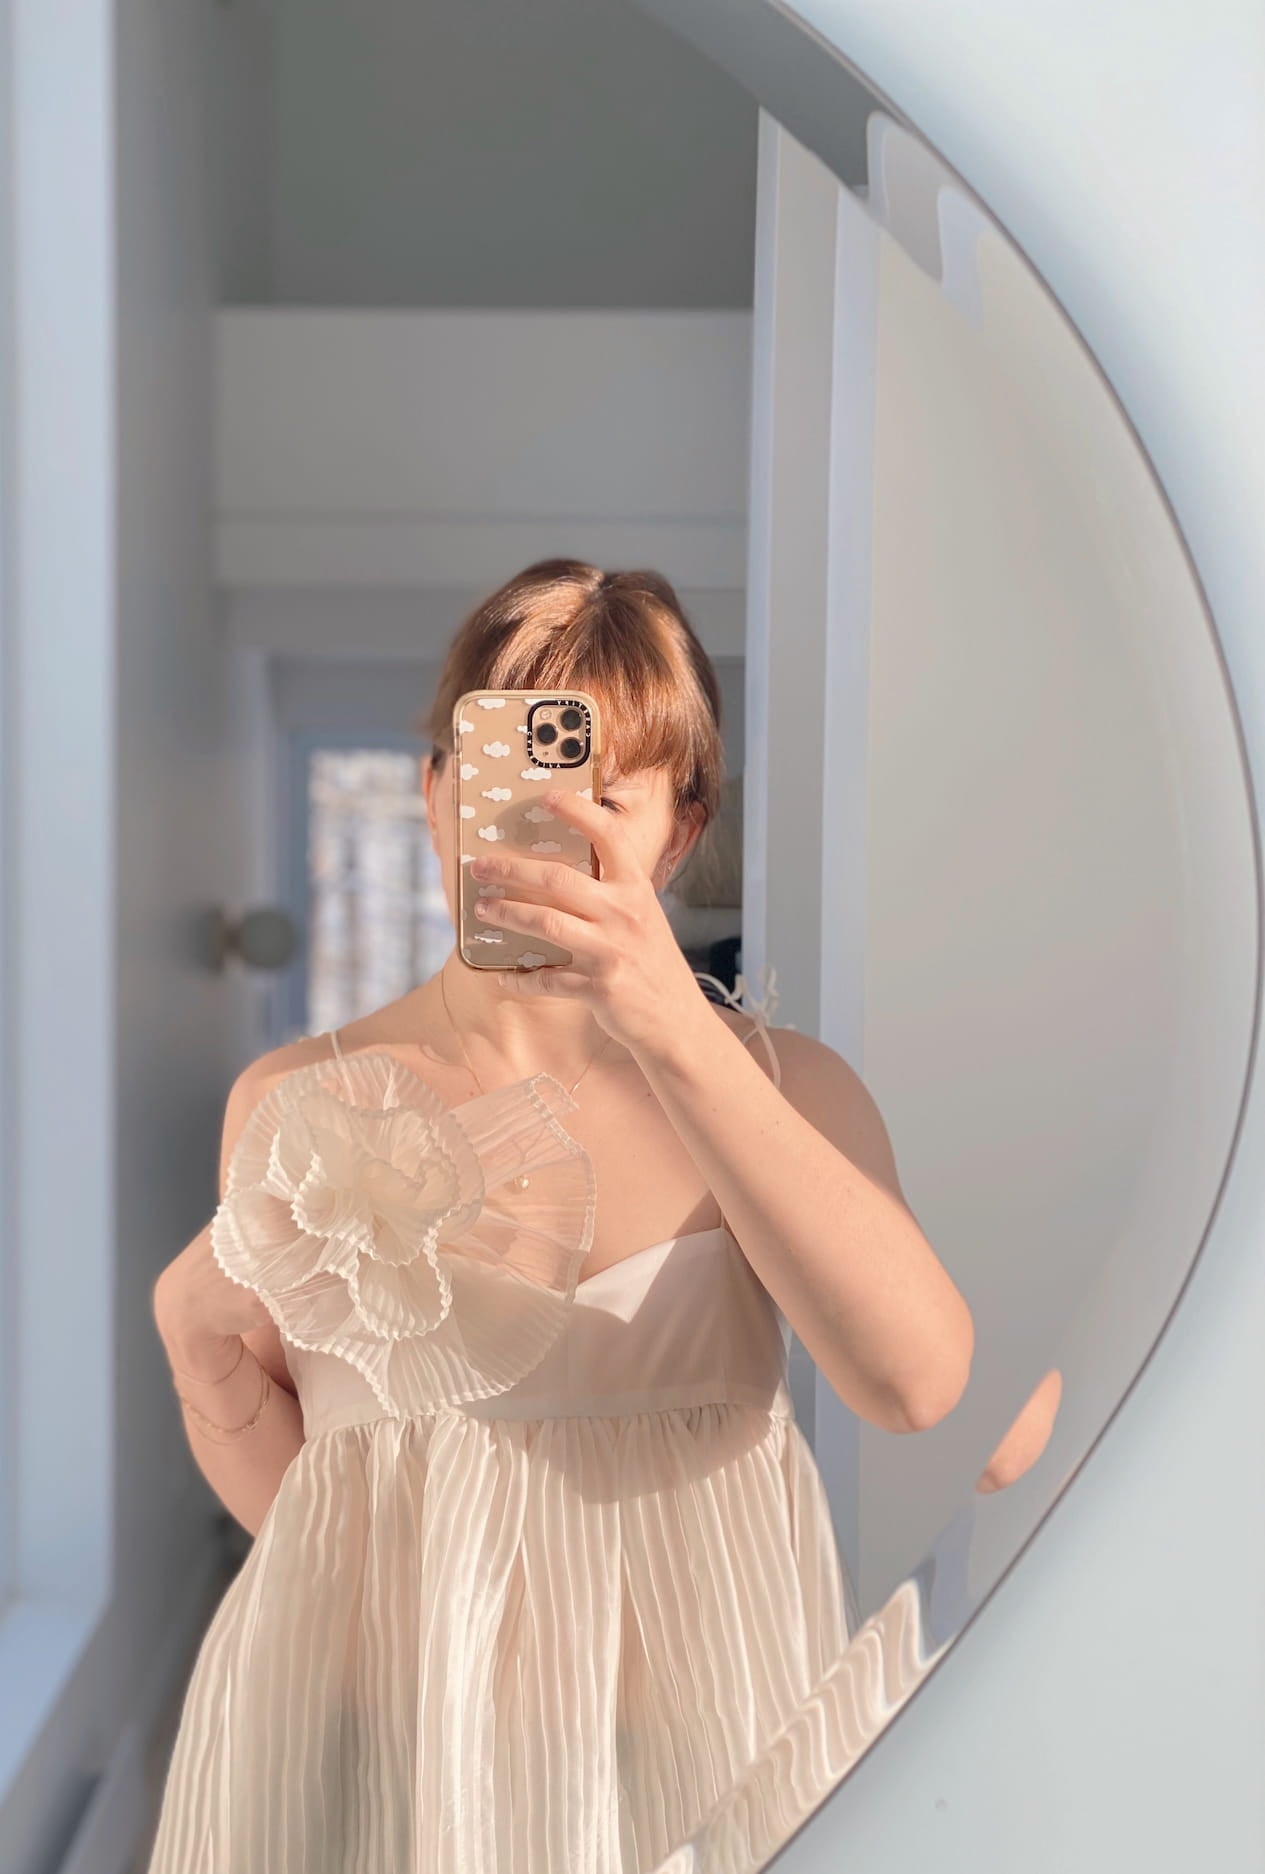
x=521, y=1181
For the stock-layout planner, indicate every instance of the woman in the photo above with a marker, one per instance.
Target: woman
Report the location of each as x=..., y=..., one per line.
x=542, y=1558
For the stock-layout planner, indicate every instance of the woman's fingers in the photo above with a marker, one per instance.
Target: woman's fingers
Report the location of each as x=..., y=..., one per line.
x=619, y=859
x=540, y=920
x=572, y=891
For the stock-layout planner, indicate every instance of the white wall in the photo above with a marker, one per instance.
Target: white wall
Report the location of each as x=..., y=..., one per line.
x=57, y=878
x=242, y=117
x=426, y=450
x=1061, y=925
x=566, y=153
x=160, y=775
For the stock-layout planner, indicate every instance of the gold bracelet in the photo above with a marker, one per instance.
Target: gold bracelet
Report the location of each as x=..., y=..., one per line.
x=225, y=1434
x=201, y=1381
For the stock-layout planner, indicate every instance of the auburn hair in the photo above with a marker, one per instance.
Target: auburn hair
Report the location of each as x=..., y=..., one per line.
x=624, y=637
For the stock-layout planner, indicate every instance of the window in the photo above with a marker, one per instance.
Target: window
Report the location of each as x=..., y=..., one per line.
x=378, y=921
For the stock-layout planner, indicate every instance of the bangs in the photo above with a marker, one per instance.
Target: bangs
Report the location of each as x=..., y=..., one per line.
x=645, y=703
x=622, y=638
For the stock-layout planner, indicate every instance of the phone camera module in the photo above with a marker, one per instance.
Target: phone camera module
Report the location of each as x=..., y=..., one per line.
x=561, y=727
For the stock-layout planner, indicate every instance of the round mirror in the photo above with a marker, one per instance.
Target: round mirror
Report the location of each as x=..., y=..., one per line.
x=627, y=1568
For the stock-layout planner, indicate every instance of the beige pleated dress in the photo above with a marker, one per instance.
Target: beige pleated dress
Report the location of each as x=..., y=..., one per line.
x=554, y=1562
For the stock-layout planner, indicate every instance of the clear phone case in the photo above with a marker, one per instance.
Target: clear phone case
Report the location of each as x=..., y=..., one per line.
x=504, y=761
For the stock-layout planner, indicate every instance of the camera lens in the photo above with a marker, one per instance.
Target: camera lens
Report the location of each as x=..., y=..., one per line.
x=570, y=748
x=571, y=718
x=545, y=732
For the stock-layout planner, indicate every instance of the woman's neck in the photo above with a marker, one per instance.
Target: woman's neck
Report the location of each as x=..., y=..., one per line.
x=507, y=1035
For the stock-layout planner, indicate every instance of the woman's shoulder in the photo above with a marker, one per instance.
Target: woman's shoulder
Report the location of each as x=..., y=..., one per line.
x=740, y=1021
x=377, y=1032
x=831, y=1094
x=810, y=1061
x=827, y=1090
x=266, y=1070
x=414, y=1032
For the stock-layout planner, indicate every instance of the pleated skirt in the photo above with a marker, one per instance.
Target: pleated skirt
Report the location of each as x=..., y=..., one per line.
x=465, y=1645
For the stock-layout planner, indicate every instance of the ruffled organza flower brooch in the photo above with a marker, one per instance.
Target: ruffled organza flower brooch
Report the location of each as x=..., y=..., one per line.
x=434, y=1249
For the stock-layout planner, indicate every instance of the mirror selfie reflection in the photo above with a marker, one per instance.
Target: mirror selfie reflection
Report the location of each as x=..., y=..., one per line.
x=715, y=946
x=515, y=1439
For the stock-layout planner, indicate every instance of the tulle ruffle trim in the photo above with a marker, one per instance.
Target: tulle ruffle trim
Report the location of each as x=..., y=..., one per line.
x=434, y=1249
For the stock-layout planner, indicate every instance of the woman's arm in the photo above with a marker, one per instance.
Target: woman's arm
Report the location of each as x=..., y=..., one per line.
x=837, y=1247
x=806, y=1179
x=220, y=1342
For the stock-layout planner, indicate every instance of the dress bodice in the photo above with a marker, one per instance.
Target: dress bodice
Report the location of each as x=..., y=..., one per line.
x=419, y=1258
x=684, y=1322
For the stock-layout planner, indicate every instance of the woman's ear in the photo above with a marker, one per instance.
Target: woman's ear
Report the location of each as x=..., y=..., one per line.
x=685, y=837
x=694, y=832
x=430, y=773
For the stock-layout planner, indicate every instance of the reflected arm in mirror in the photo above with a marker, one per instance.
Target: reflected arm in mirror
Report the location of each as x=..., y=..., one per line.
x=1027, y=1437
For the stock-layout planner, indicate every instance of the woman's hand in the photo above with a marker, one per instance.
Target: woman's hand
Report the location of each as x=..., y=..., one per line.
x=198, y=1310
x=627, y=964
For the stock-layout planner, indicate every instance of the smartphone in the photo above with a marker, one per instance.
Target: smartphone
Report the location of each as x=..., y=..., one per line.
x=510, y=747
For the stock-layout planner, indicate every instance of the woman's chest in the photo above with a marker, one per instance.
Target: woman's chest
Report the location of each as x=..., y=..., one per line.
x=648, y=1186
